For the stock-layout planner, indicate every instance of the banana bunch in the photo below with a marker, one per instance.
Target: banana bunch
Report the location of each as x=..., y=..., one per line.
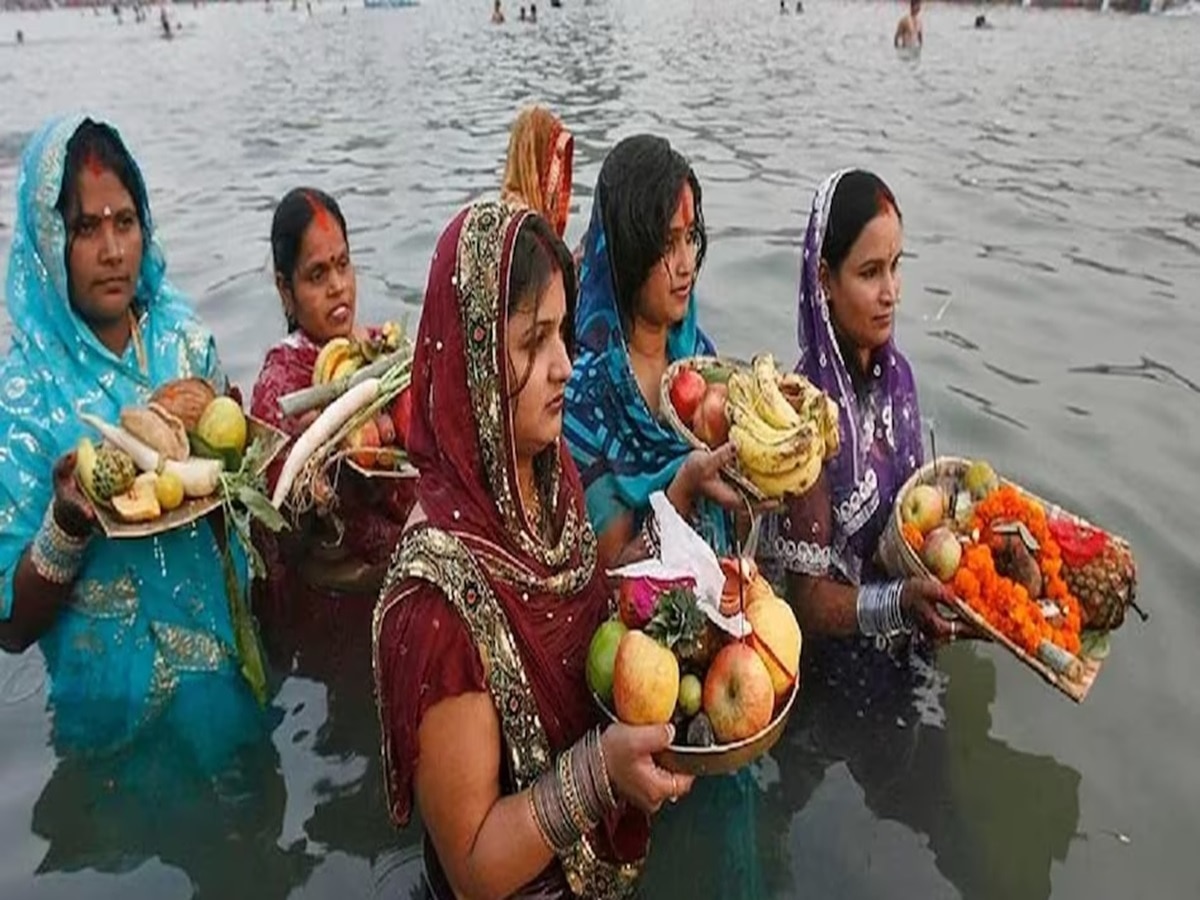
x=338, y=358
x=783, y=426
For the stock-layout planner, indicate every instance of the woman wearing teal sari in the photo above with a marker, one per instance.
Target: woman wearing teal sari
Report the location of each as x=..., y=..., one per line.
x=637, y=314
x=136, y=634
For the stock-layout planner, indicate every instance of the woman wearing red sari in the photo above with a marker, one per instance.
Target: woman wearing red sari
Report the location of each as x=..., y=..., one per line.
x=537, y=173
x=484, y=622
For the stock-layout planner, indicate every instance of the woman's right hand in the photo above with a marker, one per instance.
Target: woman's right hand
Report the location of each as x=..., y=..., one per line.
x=700, y=476
x=629, y=755
x=72, y=510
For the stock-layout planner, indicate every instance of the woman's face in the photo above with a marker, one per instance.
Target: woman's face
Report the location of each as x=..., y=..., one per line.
x=663, y=298
x=539, y=364
x=865, y=290
x=104, y=244
x=323, y=293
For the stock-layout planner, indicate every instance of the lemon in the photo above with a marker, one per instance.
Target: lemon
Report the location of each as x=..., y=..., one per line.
x=223, y=426
x=168, y=489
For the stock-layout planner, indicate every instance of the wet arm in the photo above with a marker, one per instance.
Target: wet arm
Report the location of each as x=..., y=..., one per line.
x=36, y=604
x=489, y=845
x=823, y=606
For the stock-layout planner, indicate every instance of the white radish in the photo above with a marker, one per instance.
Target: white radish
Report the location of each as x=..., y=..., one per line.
x=199, y=477
x=333, y=417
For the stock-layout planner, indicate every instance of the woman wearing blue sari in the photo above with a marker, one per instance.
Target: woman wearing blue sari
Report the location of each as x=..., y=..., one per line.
x=136, y=634
x=637, y=314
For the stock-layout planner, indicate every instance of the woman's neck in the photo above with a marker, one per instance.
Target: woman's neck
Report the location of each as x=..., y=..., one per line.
x=115, y=335
x=649, y=342
x=527, y=482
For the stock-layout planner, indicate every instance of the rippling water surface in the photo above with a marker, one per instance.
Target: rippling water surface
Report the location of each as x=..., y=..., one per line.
x=1049, y=174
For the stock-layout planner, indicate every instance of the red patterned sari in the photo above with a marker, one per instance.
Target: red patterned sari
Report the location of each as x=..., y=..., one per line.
x=479, y=598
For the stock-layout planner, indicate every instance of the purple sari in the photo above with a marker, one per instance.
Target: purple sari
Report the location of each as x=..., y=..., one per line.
x=834, y=530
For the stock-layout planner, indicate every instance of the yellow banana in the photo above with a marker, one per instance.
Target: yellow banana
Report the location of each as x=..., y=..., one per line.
x=771, y=404
x=830, y=428
x=334, y=351
x=347, y=366
x=775, y=459
x=797, y=481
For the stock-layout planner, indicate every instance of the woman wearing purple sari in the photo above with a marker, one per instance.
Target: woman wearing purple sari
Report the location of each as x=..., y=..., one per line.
x=826, y=541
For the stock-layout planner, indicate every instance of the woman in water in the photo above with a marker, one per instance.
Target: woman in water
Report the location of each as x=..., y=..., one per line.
x=484, y=623
x=827, y=540
x=637, y=314
x=135, y=633
x=537, y=172
x=315, y=279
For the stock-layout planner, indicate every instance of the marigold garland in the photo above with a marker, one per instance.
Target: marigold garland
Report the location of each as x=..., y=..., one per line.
x=1004, y=603
x=912, y=536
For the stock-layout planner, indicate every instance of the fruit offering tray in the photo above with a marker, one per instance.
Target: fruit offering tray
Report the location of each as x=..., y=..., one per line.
x=783, y=426
x=1042, y=582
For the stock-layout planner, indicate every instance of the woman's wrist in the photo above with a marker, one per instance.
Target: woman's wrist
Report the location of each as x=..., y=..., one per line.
x=573, y=798
x=880, y=609
x=56, y=554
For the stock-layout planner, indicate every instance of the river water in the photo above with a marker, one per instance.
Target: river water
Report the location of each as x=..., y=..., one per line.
x=1049, y=174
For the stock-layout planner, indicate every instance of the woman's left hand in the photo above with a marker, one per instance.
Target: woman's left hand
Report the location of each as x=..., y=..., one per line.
x=700, y=476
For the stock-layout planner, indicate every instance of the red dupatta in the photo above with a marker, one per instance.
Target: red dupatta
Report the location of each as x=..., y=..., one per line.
x=551, y=592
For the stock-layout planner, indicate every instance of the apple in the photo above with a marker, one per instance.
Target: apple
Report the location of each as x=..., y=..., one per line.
x=363, y=443
x=402, y=416
x=738, y=695
x=980, y=480
x=924, y=507
x=941, y=553
x=687, y=390
x=710, y=423
x=776, y=638
x=645, y=680
x=690, y=695
x=602, y=656
x=386, y=429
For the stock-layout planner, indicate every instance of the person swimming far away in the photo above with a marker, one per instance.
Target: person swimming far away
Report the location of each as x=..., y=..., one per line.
x=909, y=30
x=497, y=14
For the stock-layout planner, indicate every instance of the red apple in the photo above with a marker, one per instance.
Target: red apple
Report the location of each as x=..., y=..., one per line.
x=739, y=697
x=687, y=390
x=941, y=552
x=402, y=416
x=924, y=507
x=364, y=444
x=386, y=429
x=645, y=681
x=710, y=423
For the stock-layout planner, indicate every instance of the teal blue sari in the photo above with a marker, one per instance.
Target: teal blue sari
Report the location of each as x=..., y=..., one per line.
x=146, y=638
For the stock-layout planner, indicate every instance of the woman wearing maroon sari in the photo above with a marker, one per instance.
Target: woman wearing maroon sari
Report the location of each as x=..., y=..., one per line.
x=315, y=279
x=483, y=626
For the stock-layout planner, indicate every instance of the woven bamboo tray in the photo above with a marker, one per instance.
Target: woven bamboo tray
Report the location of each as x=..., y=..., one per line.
x=115, y=527
x=901, y=561
x=666, y=411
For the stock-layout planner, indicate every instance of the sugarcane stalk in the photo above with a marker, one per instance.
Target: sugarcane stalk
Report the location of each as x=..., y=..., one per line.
x=301, y=401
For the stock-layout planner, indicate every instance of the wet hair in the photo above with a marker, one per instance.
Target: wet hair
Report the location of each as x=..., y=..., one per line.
x=96, y=146
x=293, y=215
x=538, y=254
x=858, y=198
x=638, y=192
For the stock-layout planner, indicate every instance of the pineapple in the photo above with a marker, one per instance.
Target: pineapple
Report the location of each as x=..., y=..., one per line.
x=1105, y=585
x=677, y=621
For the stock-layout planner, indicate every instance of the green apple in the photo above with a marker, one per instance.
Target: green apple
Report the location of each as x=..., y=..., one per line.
x=980, y=479
x=690, y=692
x=602, y=655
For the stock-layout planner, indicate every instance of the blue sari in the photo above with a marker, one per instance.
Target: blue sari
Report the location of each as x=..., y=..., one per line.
x=623, y=452
x=146, y=638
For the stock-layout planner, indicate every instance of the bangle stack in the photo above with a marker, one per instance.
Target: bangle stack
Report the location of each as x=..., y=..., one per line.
x=879, y=611
x=649, y=535
x=56, y=555
x=575, y=796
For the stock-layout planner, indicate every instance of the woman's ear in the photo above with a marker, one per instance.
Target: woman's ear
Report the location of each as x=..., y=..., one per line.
x=823, y=277
x=286, y=297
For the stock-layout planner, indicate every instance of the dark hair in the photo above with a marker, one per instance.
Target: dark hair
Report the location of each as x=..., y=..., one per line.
x=858, y=198
x=96, y=144
x=537, y=255
x=638, y=192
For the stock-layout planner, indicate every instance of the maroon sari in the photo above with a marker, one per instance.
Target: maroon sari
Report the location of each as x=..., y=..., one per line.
x=478, y=576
